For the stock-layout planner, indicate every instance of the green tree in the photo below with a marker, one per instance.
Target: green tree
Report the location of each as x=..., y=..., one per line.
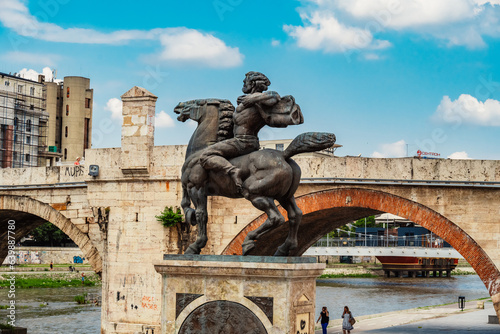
x=370, y=222
x=49, y=234
x=343, y=231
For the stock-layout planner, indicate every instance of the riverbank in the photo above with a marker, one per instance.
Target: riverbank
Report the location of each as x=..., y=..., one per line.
x=51, y=279
x=371, y=271
x=417, y=319
x=46, y=267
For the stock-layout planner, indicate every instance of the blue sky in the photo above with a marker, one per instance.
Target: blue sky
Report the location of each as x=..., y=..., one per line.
x=385, y=76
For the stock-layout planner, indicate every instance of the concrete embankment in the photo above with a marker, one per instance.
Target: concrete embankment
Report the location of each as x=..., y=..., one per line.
x=357, y=270
x=418, y=320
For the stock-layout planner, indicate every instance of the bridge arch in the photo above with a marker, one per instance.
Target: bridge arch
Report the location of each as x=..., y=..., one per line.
x=29, y=213
x=326, y=210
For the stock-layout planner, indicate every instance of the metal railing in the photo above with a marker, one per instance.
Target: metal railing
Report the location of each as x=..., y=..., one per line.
x=423, y=241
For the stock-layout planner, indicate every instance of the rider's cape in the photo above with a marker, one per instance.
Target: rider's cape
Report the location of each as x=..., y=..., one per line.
x=285, y=112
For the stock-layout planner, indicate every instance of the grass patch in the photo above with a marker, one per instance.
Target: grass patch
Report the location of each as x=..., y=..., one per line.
x=62, y=265
x=348, y=275
x=52, y=281
x=80, y=299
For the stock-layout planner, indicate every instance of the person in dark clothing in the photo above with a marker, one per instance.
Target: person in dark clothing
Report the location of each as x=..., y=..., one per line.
x=325, y=318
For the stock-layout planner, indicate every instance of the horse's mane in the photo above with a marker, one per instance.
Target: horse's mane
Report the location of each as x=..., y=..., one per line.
x=226, y=110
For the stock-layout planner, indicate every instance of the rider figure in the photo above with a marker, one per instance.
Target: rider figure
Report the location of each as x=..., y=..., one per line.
x=248, y=118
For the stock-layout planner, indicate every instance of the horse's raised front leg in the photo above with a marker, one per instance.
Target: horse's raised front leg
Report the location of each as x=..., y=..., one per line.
x=294, y=219
x=199, y=198
x=274, y=219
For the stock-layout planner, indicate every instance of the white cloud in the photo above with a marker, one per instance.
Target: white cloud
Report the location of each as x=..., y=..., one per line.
x=409, y=14
x=33, y=75
x=115, y=106
x=163, y=120
x=323, y=31
x=356, y=23
x=491, y=2
x=468, y=109
x=179, y=44
x=371, y=56
x=275, y=42
x=31, y=58
x=459, y=155
x=392, y=150
x=189, y=45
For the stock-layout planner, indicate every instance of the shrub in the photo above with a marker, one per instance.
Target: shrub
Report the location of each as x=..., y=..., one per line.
x=80, y=299
x=169, y=217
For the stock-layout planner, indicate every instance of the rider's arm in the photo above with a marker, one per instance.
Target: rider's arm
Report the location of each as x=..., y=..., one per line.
x=267, y=98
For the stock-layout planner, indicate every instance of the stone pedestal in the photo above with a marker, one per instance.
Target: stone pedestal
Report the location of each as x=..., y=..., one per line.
x=238, y=294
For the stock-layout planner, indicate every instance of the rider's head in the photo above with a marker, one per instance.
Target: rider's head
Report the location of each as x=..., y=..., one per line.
x=255, y=82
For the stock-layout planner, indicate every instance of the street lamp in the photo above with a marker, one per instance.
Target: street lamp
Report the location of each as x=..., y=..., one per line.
x=461, y=302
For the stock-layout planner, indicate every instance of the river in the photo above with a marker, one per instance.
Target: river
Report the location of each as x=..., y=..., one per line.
x=366, y=296
x=62, y=315
x=363, y=295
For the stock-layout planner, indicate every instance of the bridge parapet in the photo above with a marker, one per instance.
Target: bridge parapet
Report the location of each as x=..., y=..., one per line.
x=400, y=168
x=166, y=163
x=43, y=175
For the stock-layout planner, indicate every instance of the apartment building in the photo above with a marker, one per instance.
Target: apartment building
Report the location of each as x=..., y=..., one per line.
x=44, y=122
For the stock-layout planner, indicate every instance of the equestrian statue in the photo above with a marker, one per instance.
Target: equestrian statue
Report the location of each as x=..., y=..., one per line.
x=223, y=158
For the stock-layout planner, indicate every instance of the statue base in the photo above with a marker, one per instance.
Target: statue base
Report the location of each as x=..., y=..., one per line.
x=238, y=294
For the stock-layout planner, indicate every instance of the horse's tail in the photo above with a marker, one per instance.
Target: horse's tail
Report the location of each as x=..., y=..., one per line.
x=309, y=142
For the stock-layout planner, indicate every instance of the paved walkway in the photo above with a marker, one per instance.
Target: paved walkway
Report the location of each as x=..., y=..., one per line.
x=447, y=319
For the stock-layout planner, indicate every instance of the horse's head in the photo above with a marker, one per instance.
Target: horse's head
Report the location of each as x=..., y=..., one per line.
x=183, y=109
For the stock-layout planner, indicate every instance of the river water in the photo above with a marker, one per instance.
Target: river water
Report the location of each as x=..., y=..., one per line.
x=366, y=296
x=62, y=315
x=363, y=295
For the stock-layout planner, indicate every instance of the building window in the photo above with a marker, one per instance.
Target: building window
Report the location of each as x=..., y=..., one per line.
x=16, y=121
x=20, y=88
x=32, y=90
x=65, y=154
x=28, y=139
x=87, y=103
x=67, y=110
x=32, y=107
x=27, y=158
x=14, y=156
x=67, y=92
x=66, y=132
x=15, y=137
x=28, y=125
x=280, y=147
x=7, y=83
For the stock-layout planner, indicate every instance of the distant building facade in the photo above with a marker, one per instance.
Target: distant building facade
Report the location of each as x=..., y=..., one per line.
x=42, y=122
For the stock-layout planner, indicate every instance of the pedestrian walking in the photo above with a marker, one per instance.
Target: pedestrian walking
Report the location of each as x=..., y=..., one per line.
x=83, y=278
x=325, y=318
x=51, y=265
x=348, y=321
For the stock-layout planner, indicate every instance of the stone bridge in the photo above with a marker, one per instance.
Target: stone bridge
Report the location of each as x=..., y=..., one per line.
x=111, y=217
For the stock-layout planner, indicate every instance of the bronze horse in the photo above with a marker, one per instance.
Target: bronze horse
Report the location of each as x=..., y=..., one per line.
x=267, y=175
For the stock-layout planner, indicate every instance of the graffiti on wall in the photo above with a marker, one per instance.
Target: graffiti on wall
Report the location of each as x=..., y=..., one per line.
x=74, y=171
x=32, y=257
x=78, y=259
x=149, y=303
